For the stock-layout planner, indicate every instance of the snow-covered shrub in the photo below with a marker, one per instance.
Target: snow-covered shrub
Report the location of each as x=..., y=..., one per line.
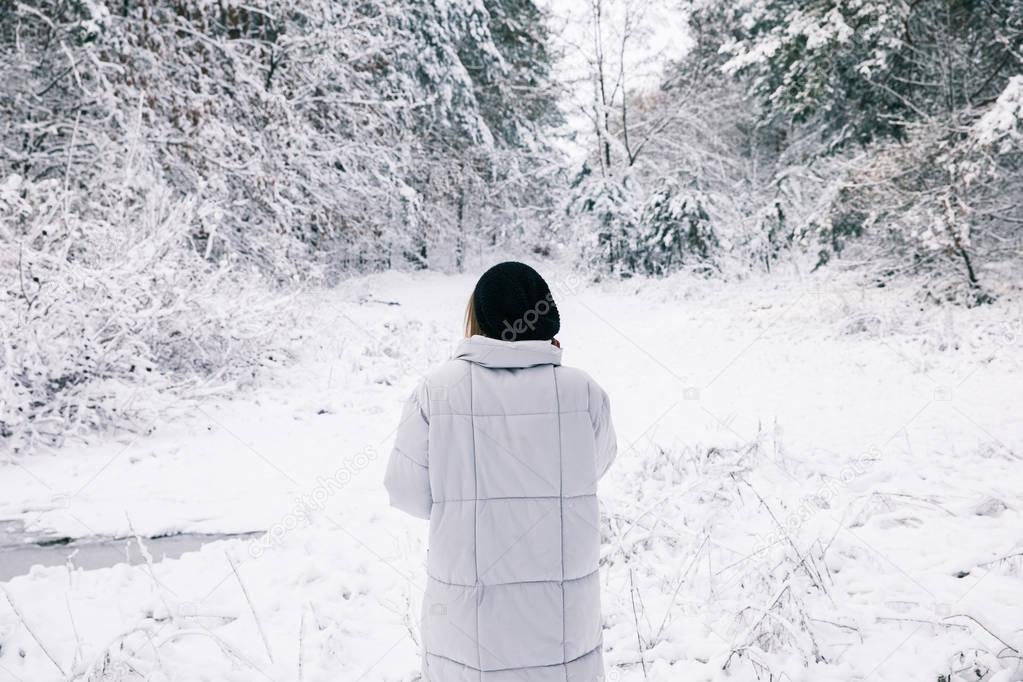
x=97, y=316
x=769, y=233
x=937, y=203
x=693, y=545
x=1001, y=126
x=604, y=214
x=675, y=230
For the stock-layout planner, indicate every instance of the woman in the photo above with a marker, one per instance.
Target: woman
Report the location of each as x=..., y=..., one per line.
x=501, y=448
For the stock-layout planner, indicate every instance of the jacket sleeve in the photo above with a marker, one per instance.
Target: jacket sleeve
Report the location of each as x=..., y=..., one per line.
x=408, y=477
x=603, y=429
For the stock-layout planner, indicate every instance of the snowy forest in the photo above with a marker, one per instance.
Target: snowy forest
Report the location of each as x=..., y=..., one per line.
x=225, y=223
x=161, y=159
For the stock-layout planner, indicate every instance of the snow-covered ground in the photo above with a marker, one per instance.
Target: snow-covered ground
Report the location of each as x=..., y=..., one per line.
x=816, y=480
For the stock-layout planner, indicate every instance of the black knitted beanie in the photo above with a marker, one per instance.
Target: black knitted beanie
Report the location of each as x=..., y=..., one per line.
x=512, y=302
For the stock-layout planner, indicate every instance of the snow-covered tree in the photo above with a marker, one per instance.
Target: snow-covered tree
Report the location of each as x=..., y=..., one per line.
x=687, y=167
x=908, y=82
x=217, y=141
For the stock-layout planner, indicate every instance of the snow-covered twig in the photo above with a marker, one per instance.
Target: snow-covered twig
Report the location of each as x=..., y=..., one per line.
x=635, y=619
x=252, y=607
x=31, y=632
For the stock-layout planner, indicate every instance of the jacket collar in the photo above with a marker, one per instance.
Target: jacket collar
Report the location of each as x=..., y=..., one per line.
x=495, y=353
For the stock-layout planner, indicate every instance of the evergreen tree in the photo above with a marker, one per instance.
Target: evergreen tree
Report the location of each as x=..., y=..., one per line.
x=910, y=83
x=867, y=69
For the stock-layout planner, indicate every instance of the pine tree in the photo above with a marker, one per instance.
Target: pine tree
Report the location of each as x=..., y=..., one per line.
x=908, y=82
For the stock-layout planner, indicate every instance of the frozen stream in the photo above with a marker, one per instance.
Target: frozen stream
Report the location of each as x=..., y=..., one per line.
x=21, y=550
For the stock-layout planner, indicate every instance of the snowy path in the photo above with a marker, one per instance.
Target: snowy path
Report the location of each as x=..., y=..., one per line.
x=895, y=446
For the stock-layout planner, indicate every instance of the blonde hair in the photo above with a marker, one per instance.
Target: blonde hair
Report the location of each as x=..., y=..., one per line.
x=472, y=325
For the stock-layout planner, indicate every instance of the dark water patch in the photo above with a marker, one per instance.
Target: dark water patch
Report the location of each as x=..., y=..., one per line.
x=21, y=550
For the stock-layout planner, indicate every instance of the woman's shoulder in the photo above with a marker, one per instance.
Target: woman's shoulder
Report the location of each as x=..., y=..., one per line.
x=449, y=376
x=575, y=375
x=446, y=372
x=578, y=390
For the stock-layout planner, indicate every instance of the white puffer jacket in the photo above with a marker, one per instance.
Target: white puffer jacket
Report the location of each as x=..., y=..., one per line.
x=501, y=449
